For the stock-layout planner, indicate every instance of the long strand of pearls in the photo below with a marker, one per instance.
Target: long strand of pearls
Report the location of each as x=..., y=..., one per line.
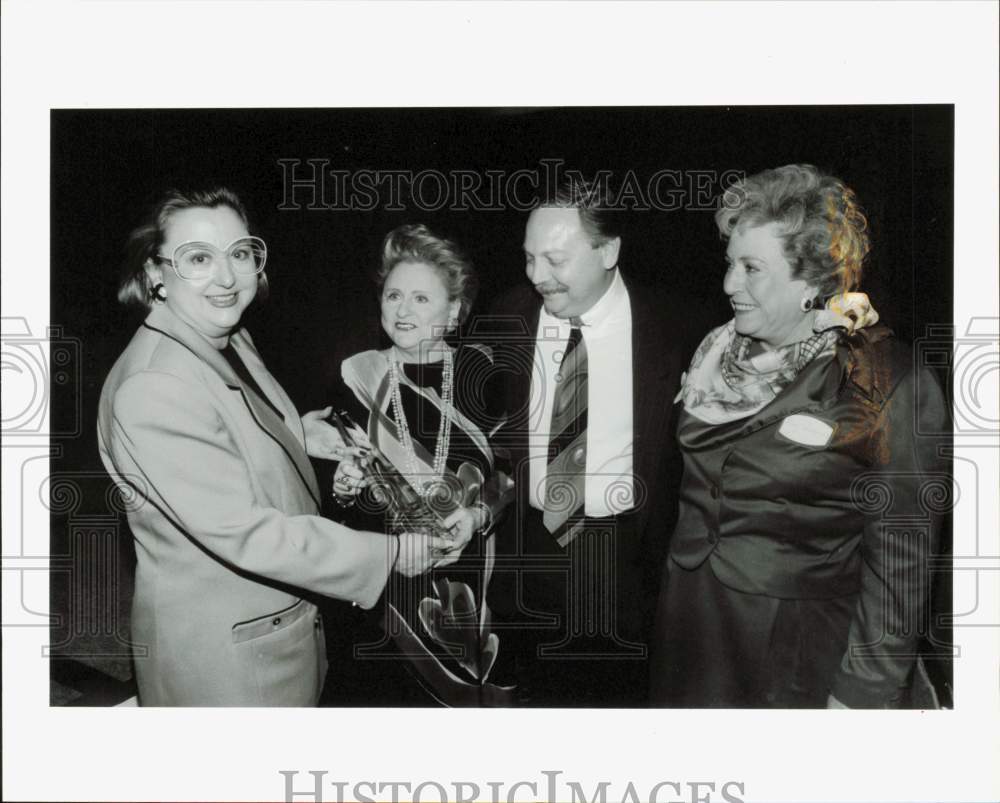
x=421, y=485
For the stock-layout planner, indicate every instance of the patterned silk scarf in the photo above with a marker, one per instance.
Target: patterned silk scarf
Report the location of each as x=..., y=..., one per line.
x=724, y=383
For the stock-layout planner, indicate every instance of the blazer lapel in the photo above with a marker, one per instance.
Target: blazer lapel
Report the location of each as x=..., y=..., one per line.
x=515, y=334
x=287, y=432
x=653, y=360
x=526, y=360
x=164, y=321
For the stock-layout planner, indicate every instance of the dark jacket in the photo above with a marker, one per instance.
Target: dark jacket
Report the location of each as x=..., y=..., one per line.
x=859, y=514
x=661, y=347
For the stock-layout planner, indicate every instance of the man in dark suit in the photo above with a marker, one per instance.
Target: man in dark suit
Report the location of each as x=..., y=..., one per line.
x=591, y=365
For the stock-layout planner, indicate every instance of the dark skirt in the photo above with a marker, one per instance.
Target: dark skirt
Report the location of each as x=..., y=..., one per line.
x=426, y=642
x=715, y=647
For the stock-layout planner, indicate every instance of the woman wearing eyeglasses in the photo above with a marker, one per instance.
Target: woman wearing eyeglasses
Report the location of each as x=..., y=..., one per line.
x=212, y=459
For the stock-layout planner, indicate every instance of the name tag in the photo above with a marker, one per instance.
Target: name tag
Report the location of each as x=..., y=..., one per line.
x=806, y=430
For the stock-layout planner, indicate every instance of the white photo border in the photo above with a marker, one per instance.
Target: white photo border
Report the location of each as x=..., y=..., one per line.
x=155, y=55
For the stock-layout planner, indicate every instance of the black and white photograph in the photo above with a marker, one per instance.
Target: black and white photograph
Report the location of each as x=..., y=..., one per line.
x=589, y=541
x=471, y=438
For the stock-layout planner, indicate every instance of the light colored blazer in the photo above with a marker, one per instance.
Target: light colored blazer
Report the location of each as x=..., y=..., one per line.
x=223, y=509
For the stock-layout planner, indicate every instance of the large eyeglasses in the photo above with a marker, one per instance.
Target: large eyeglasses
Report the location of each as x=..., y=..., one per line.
x=195, y=261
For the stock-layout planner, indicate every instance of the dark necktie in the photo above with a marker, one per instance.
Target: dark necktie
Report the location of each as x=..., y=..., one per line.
x=566, y=471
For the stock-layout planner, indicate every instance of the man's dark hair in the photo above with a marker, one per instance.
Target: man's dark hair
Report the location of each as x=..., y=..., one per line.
x=592, y=199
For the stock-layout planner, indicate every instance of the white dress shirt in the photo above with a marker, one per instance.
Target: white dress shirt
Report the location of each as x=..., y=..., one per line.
x=607, y=333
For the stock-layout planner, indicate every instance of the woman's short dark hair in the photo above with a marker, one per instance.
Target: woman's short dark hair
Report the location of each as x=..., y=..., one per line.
x=414, y=242
x=145, y=240
x=823, y=227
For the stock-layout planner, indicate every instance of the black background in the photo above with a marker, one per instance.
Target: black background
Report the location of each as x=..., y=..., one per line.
x=107, y=165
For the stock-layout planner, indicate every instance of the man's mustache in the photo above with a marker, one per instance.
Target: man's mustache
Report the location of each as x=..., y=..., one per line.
x=548, y=289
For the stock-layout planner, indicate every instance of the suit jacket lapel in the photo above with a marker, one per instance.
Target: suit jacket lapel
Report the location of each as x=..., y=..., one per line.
x=163, y=320
x=527, y=355
x=652, y=397
x=523, y=338
x=287, y=432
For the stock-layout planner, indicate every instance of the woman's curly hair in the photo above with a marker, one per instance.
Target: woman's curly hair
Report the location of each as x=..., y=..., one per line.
x=823, y=227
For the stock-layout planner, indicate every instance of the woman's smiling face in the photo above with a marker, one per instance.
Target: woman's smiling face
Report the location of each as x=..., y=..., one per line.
x=214, y=305
x=416, y=310
x=766, y=299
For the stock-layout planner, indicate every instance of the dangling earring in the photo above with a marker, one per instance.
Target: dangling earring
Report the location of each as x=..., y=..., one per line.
x=806, y=304
x=157, y=294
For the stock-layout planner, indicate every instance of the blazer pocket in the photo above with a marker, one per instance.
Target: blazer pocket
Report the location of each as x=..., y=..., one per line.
x=285, y=653
x=271, y=623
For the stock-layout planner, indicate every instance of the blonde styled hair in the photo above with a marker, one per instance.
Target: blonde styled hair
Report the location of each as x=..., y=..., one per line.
x=416, y=243
x=824, y=230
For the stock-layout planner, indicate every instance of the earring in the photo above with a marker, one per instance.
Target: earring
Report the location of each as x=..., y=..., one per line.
x=806, y=304
x=157, y=294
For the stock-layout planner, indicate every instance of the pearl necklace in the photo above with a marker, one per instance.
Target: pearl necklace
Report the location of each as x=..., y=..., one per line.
x=425, y=486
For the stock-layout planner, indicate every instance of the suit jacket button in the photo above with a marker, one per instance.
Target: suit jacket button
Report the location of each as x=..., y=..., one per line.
x=276, y=621
x=318, y=622
x=713, y=537
x=715, y=491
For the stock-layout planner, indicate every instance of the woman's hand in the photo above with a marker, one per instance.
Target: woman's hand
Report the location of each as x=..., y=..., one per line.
x=323, y=441
x=462, y=524
x=418, y=553
x=349, y=478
